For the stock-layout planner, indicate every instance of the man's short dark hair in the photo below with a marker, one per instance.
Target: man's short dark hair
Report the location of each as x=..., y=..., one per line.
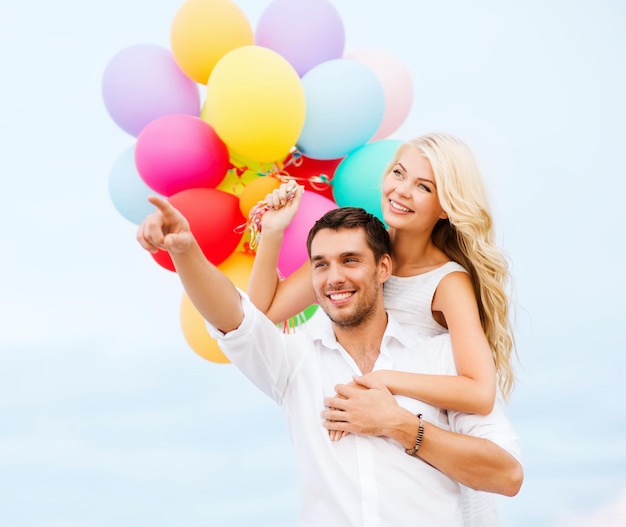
x=353, y=218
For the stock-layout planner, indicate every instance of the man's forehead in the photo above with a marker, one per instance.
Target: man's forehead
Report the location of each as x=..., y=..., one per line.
x=335, y=242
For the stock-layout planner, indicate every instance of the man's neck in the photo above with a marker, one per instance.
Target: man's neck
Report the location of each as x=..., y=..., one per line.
x=363, y=342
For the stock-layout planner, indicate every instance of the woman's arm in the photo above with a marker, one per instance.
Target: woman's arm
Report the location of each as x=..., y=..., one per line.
x=473, y=390
x=279, y=300
x=473, y=357
x=368, y=408
x=452, y=392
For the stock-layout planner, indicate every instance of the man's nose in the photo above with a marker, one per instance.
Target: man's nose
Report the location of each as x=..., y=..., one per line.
x=335, y=274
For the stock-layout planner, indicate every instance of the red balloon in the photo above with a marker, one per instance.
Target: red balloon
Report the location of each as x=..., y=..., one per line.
x=309, y=171
x=213, y=216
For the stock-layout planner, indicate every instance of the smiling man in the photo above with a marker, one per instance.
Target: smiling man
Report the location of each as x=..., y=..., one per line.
x=367, y=478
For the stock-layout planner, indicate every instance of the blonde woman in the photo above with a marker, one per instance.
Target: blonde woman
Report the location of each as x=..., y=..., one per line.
x=448, y=273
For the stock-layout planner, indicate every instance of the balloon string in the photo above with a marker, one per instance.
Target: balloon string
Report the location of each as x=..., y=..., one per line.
x=318, y=182
x=255, y=216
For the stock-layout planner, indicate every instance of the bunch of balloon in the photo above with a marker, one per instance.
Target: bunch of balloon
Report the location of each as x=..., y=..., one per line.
x=354, y=101
x=230, y=111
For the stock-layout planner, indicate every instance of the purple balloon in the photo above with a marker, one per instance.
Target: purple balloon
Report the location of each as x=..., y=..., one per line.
x=305, y=32
x=143, y=82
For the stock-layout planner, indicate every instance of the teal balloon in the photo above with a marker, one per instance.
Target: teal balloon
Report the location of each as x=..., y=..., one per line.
x=345, y=104
x=358, y=178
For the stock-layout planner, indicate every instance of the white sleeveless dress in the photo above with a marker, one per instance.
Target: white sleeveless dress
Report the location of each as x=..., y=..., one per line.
x=410, y=299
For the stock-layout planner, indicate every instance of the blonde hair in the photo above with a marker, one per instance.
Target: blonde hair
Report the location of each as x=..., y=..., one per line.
x=467, y=237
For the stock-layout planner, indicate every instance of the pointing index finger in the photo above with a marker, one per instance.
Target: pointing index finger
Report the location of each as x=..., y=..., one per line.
x=166, y=208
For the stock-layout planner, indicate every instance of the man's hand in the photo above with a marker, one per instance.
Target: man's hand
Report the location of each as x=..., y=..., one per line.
x=364, y=407
x=166, y=228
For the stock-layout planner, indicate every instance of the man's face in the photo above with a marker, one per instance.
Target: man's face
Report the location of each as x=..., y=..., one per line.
x=346, y=279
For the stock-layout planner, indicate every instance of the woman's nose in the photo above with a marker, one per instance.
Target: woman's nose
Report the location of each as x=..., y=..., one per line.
x=403, y=189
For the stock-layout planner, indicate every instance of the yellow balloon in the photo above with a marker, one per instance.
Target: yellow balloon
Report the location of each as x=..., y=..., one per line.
x=237, y=267
x=203, y=31
x=255, y=103
x=243, y=171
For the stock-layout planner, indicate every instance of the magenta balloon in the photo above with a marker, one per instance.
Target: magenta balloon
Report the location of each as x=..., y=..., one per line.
x=305, y=32
x=293, y=251
x=143, y=82
x=178, y=152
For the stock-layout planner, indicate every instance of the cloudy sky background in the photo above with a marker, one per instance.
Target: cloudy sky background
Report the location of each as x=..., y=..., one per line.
x=107, y=417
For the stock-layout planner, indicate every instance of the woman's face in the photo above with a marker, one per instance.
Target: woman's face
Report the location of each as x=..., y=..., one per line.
x=409, y=199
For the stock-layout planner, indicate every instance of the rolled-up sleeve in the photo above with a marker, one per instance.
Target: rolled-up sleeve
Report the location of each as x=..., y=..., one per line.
x=495, y=426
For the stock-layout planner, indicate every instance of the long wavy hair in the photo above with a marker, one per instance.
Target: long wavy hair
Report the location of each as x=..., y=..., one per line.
x=467, y=237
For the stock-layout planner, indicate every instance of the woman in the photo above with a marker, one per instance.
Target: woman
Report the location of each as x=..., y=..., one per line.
x=448, y=273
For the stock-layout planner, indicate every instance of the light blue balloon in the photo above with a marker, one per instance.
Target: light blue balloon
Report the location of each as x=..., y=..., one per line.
x=128, y=191
x=345, y=104
x=358, y=178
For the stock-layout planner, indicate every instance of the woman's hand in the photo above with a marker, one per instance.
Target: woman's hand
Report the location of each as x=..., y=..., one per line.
x=283, y=204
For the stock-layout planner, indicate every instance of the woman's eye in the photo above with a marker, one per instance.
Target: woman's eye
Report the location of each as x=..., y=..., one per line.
x=423, y=187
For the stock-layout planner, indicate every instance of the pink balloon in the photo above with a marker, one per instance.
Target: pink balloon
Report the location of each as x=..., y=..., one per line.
x=178, y=152
x=293, y=251
x=397, y=87
x=306, y=32
x=143, y=82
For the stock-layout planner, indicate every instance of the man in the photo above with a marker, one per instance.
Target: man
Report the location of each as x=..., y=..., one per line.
x=366, y=478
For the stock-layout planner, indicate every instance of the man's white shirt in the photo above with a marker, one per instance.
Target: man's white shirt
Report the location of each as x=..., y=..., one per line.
x=359, y=480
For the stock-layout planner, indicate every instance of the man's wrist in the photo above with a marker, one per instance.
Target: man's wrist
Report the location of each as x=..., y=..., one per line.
x=403, y=428
x=418, y=438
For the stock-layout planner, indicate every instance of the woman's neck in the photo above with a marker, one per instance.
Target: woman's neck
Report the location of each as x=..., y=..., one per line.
x=414, y=254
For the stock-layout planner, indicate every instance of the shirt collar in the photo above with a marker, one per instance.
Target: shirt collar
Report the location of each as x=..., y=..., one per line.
x=393, y=331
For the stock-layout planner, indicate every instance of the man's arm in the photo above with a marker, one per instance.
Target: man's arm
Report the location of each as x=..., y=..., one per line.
x=371, y=409
x=475, y=462
x=212, y=293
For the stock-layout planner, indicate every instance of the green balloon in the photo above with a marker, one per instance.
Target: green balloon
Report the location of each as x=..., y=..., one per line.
x=299, y=319
x=357, y=181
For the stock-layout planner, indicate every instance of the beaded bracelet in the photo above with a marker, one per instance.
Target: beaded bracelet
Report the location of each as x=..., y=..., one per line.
x=418, y=440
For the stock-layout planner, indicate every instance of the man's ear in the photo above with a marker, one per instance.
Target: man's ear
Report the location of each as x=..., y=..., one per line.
x=384, y=267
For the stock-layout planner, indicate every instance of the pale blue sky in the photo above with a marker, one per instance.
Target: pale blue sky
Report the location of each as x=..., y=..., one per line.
x=107, y=417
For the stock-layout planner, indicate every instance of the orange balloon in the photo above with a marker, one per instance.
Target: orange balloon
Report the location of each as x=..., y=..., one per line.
x=256, y=191
x=237, y=267
x=196, y=334
x=203, y=31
